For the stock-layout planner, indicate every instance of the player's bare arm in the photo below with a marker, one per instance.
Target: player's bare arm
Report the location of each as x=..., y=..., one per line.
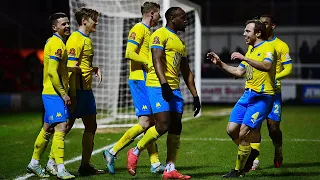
x=262, y=66
x=188, y=77
x=156, y=60
x=237, y=72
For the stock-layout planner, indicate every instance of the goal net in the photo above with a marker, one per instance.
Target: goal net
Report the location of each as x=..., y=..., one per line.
x=117, y=17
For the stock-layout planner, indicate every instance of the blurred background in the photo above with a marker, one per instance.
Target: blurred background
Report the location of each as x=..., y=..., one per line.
x=25, y=29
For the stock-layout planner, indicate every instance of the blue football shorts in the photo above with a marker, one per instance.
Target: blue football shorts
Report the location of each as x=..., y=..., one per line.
x=158, y=104
x=275, y=113
x=86, y=104
x=251, y=109
x=55, y=109
x=140, y=97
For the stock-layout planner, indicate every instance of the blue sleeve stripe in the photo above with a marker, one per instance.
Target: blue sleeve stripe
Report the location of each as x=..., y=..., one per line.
x=55, y=58
x=73, y=58
x=242, y=65
x=287, y=62
x=267, y=59
x=133, y=42
x=156, y=47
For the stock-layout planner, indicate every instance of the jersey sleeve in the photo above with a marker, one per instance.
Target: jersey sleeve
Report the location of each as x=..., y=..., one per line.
x=286, y=62
x=285, y=55
x=268, y=53
x=56, y=52
x=158, y=40
x=135, y=39
x=136, y=35
x=74, y=49
x=243, y=64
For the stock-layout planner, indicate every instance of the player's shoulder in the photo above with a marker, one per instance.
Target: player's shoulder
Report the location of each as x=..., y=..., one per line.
x=138, y=26
x=268, y=45
x=55, y=41
x=280, y=43
x=160, y=31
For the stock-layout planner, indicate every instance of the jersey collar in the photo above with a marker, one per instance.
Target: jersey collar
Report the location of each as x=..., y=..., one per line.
x=171, y=30
x=58, y=37
x=146, y=25
x=82, y=33
x=258, y=44
x=274, y=37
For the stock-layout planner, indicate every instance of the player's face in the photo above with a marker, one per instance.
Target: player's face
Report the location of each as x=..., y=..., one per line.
x=155, y=18
x=249, y=34
x=62, y=27
x=180, y=20
x=91, y=24
x=269, y=25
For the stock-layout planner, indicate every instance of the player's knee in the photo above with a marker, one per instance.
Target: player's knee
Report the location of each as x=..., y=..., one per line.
x=274, y=129
x=162, y=127
x=145, y=122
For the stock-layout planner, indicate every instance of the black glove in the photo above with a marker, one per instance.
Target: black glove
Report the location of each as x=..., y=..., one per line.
x=166, y=92
x=196, y=105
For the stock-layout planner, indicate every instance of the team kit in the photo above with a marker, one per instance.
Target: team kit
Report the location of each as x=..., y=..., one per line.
x=155, y=62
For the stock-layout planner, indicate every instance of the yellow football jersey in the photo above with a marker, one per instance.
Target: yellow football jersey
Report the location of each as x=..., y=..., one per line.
x=283, y=57
x=259, y=81
x=80, y=52
x=55, y=74
x=174, y=52
x=139, y=35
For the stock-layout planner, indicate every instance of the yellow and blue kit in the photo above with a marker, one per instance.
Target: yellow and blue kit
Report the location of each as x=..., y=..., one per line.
x=256, y=102
x=55, y=80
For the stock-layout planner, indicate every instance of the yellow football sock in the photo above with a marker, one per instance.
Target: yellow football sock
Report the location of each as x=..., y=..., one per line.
x=173, y=145
x=87, y=147
x=255, y=146
x=153, y=153
x=58, y=146
x=128, y=137
x=51, y=154
x=150, y=136
x=243, y=154
x=40, y=144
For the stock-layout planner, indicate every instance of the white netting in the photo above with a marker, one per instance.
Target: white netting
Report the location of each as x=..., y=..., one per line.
x=113, y=98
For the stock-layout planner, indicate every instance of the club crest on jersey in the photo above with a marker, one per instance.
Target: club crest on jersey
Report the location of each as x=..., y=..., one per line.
x=132, y=36
x=72, y=52
x=59, y=53
x=156, y=40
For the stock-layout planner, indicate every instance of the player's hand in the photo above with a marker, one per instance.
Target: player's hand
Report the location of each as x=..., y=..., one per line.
x=166, y=92
x=237, y=55
x=98, y=74
x=214, y=58
x=67, y=100
x=73, y=104
x=196, y=106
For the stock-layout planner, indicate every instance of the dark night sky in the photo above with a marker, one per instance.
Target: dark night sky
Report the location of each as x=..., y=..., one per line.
x=25, y=23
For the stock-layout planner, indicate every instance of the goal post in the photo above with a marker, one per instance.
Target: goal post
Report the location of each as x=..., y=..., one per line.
x=113, y=99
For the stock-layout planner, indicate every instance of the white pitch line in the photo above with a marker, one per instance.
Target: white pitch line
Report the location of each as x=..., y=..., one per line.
x=78, y=158
x=227, y=139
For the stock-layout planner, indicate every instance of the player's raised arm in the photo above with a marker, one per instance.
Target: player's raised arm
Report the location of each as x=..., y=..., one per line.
x=265, y=65
x=286, y=62
x=234, y=71
x=135, y=40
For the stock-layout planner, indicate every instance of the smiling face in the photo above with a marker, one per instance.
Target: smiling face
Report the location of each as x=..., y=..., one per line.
x=249, y=35
x=62, y=27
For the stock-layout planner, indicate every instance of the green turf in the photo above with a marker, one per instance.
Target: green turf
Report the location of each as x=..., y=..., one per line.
x=201, y=154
